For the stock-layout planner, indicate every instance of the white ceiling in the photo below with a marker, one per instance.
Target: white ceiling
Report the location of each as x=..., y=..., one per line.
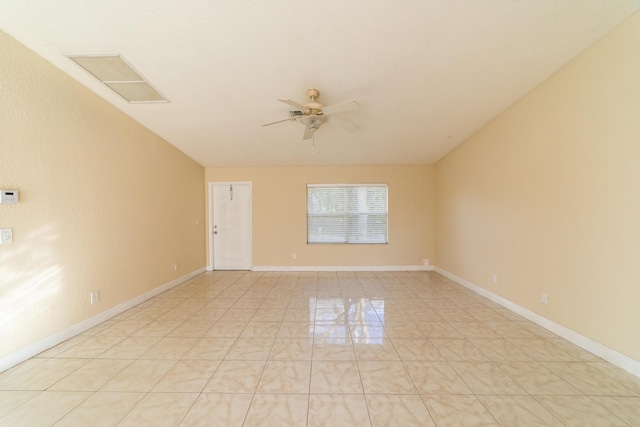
x=427, y=73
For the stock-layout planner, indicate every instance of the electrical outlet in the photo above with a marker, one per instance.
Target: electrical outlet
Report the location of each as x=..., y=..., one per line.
x=544, y=298
x=494, y=278
x=6, y=235
x=175, y=267
x=95, y=297
x=425, y=261
x=294, y=255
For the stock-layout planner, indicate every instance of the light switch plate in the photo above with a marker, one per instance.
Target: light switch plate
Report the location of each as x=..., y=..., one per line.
x=6, y=235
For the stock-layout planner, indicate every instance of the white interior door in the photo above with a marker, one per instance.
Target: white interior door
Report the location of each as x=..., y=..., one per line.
x=231, y=225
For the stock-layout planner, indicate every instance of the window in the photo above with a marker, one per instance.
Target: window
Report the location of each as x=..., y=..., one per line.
x=347, y=213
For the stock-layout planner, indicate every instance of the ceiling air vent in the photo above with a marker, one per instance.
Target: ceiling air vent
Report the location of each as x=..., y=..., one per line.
x=119, y=76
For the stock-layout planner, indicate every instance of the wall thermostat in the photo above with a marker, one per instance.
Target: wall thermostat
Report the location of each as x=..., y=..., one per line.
x=8, y=196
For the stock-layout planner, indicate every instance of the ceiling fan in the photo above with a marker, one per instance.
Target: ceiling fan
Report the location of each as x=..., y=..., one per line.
x=313, y=114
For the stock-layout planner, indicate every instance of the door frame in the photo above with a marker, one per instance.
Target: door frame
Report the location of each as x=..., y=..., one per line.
x=211, y=265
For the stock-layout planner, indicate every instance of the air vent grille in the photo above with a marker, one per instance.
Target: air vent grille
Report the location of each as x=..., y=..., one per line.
x=117, y=74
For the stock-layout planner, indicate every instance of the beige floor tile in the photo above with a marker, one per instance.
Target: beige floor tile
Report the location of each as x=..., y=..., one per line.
x=261, y=330
x=9, y=400
x=240, y=376
x=238, y=314
x=227, y=329
x=335, y=377
x=54, y=351
x=169, y=348
x=91, y=347
x=382, y=349
x=296, y=329
x=101, y=409
x=499, y=350
x=385, y=377
x=187, y=376
x=160, y=328
x=543, y=350
x=625, y=378
x=579, y=411
x=486, y=378
x=341, y=349
x=403, y=330
x=398, y=411
x=124, y=328
x=159, y=409
x=475, y=330
x=269, y=314
x=338, y=410
x=299, y=315
x=250, y=349
x=91, y=376
x=324, y=330
x=518, y=411
x=42, y=375
x=367, y=329
x=45, y=409
x=285, y=377
x=291, y=349
x=130, y=348
x=210, y=349
x=192, y=329
x=625, y=408
x=440, y=329
x=417, y=349
x=436, y=378
x=536, y=379
x=459, y=411
x=278, y=410
x=458, y=350
x=588, y=379
x=139, y=376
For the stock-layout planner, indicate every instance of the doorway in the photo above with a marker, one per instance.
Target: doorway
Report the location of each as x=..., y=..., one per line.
x=230, y=222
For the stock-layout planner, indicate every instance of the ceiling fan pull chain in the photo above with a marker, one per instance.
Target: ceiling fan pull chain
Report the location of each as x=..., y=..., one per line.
x=313, y=143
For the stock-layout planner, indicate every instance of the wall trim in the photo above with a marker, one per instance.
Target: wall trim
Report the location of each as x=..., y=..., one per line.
x=12, y=359
x=610, y=355
x=342, y=268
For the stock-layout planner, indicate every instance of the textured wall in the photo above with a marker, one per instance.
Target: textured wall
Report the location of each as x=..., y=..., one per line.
x=104, y=203
x=547, y=197
x=280, y=214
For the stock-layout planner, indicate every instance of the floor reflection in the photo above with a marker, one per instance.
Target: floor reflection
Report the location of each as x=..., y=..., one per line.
x=337, y=319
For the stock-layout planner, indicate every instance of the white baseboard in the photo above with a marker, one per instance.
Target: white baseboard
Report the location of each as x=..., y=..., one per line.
x=618, y=359
x=342, y=268
x=44, y=344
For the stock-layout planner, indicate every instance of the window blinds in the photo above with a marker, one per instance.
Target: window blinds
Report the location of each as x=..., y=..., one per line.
x=347, y=213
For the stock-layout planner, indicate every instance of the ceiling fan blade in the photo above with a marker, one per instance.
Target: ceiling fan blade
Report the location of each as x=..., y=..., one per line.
x=294, y=104
x=339, y=108
x=280, y=121
x=341, y=123
x=308, y=132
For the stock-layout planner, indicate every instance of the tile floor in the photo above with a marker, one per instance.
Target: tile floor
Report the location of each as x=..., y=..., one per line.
x=318, y=349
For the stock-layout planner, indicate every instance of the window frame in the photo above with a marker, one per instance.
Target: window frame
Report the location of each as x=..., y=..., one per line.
x=349, y=215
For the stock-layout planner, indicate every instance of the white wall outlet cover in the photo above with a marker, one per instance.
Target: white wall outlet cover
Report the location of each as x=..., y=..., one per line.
x=425, y=261
x=6, y=235
x=495, y=278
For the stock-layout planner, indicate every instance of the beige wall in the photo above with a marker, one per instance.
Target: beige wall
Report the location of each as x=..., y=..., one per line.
x=547, y=197
x=104, y=203
x=280, y=209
